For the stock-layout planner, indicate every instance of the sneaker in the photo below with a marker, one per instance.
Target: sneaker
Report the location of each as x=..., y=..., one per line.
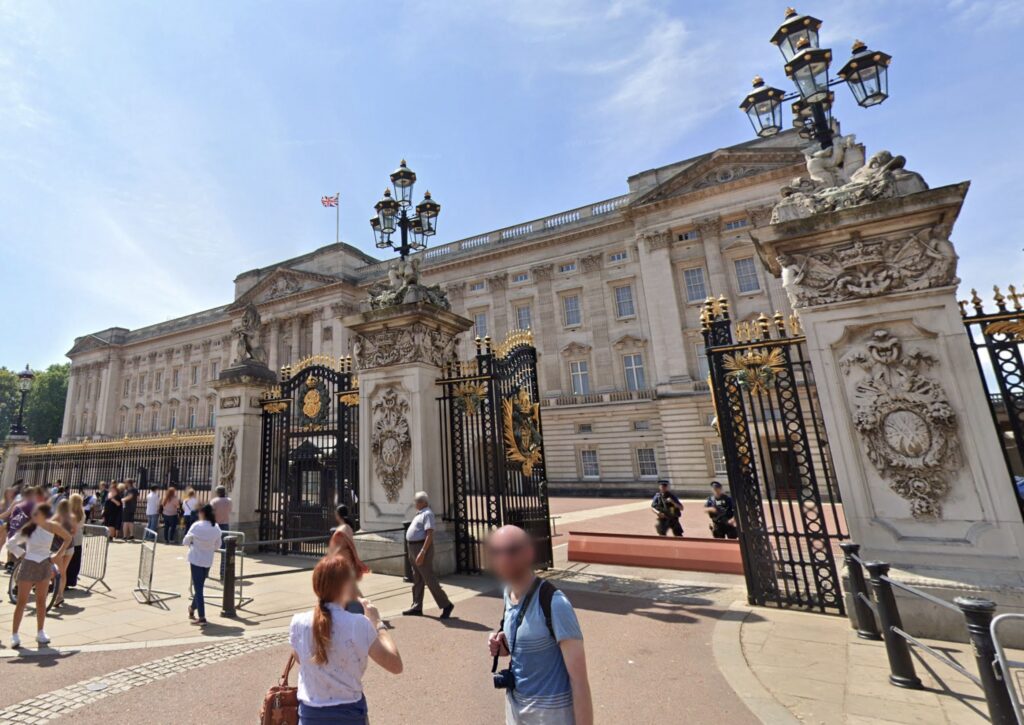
x=201, y=621
x=15, y=641
x=447, y=611
x=41, y=637
x=191, y=612
x=414, y=612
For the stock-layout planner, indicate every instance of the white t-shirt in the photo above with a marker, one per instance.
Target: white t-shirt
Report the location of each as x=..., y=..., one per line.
x=202, y=540
x=189, y=507
x=153, y=503
x=340, y=680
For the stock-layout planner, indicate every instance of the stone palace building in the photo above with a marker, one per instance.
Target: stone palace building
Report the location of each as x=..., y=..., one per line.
x=611, y=290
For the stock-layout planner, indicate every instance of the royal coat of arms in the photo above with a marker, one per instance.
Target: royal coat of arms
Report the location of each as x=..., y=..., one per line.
x=521, y=423
x=314, y=409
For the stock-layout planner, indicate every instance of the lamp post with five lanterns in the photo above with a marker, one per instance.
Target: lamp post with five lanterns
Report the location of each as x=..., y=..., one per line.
x=393, y=215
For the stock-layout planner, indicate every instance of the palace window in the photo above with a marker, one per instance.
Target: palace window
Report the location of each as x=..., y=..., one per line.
x=718, y=466
x=476, y=286
x=641, y=425
x=696, y=289
x=521, y=277
x=571, y=315
x=689, y=236
x=211, y=415
x=195, y=374
x=524, y=319
x=127, y=387
x=624, y=302
x=191, y=416
x=702, y=362
x=620, y=256
x=175, y=378
x=567, y=267
x=634, y=368
x=142, y=382
x=579, y=375
x=584, y=428
x=154, y=421
x=120, y=425
x=589, y=465
x=215, y=368
x=480, y=324
x=138, y=422
x=173, y=421
x=746, y=275
x=646, y=463
x=735, y=224
x=158, y=380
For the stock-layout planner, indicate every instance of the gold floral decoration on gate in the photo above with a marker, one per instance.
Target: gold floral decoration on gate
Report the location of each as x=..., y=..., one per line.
x=755, y=370
x=521, y=417
x=469, y=396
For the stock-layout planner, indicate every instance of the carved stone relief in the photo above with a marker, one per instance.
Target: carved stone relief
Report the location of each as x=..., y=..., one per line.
x=542, y=272
x=230, y=401
x=657, y=240
x=227, y=458
x=391, y=442
x=284, y=285
x=592, y=262
x=415, y=343
x=860, y=269
x=908, y=426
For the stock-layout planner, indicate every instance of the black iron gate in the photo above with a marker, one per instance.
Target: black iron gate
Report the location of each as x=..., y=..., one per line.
x=309, y=458
x=494, y=468
x=996, y=339
x=778, y=459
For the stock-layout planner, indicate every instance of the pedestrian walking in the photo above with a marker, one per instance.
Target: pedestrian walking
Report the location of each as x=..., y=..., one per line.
x=129, y=503
x=669, y=509
x=77, y=539
x=35, y=539
x=62, y=553
x=333, y=647
x=169, y=505
x=189, y=508
x=420, y=536
x=112, y=512
x=343, y=541
x=153, y=507
x=546, y=679
x=721, y=510
x=202, y=540
x=19, y=515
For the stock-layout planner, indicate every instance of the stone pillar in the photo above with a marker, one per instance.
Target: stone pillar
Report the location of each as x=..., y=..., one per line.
x=295, y=335
x=870, y=270
x=497, y=285
x=398, y=352
x=666, y=321
x=547, y=322
x=9, y=449
x=317, y=317
x=272, y=359
x=237, y=438
x=710, y=229
x=69, y=402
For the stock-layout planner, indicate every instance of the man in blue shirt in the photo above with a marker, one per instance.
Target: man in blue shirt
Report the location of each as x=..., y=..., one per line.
x=544, y=640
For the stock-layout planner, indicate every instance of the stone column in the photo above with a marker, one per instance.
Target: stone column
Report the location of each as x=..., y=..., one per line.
x=272, y=361
x=317, y=317
x=497, y=285
x=659, y=289
x=398, y=352
x=295, y=335
x=710, y=229
x=69, y=402
x=546, y=323
x=870, y=269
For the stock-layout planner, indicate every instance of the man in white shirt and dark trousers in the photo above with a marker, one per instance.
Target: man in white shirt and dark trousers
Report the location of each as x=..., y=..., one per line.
x=420, y=538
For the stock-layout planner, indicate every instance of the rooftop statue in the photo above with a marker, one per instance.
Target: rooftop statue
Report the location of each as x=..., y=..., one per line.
x=404, y=286
x=247, y=333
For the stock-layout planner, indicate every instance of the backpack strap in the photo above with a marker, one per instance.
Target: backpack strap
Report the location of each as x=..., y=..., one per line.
x=545, y=595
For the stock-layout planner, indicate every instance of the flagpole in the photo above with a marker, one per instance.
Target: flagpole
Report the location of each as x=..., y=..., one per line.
x=337, y=218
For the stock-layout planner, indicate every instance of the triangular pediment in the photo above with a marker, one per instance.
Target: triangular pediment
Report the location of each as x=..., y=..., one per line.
x=725, y=166
x=282, y=283
x=87, y=344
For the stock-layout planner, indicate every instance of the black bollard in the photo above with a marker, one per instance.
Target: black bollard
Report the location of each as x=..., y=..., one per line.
x=228, y=606
x=979, y=613
x=901, y=666
x=867, y=627
x=405, y=549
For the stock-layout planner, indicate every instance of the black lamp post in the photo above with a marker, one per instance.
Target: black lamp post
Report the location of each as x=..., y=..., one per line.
x=807, y=65
x=393, y=215
x=25, y=378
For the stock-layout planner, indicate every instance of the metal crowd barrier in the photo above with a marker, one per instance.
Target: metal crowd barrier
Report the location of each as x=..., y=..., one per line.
x=880, y=602
x=1012, y=670
x=95, y=545
x=144, y=580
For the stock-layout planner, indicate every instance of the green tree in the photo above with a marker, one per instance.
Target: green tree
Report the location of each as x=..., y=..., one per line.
x=44, y=410
x=9, y=398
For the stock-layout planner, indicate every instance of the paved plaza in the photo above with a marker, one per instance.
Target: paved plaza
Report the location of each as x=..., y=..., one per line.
x=687, y=640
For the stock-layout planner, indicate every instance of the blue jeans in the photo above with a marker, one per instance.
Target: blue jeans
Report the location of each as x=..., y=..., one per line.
x=170, y=528
x=352, y=713
x=199, y=574
x=153, y=523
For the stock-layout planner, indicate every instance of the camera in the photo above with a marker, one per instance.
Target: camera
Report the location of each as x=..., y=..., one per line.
x=504, y=680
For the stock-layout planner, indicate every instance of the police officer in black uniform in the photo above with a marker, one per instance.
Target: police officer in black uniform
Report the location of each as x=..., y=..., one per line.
x=722, y=511
x=669, y=509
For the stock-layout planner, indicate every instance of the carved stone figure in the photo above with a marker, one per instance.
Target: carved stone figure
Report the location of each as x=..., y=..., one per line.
x=247, y=333
x=391, y=443
x=908, y=426
x=838, y=178
x=283, y=286
x=403, y=286
x=415, y=343
x=860, y=269
x=227, y=458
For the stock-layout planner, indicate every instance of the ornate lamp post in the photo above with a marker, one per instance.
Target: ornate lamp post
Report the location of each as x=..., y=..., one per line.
x=807, y=65
x=25, y=378
x=393, y=215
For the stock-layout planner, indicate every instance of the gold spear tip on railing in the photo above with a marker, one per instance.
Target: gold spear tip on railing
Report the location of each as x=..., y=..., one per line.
x=1014, y=297
x=780, y=323
x=976, y=301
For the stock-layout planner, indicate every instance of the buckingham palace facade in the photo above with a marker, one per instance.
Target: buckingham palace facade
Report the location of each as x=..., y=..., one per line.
x=612, y=292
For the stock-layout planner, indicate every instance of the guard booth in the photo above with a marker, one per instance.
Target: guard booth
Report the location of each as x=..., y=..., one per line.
x=309, y=456
x=494, y=464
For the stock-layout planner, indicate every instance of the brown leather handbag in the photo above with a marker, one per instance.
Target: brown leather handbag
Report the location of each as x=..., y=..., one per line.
x=281, y=703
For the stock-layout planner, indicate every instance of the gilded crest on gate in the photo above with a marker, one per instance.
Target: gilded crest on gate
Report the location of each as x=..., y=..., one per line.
x=470, y=396
x=521, y=418
x=754, y=370
x=314, y=407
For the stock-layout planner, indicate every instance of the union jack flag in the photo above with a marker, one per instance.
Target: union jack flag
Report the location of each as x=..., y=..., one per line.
x=329, y=200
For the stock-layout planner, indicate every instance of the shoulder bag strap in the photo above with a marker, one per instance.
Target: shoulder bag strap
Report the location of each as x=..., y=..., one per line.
x=287, y=669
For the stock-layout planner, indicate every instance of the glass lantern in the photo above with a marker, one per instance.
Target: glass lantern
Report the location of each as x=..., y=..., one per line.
x=763, y=106
x=809, y=71
x=403, y=179
x=387, y=209
x=795, y=32
x=427, y=211
x=867, y=75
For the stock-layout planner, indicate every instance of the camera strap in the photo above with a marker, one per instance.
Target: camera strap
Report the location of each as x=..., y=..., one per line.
x=523, y=606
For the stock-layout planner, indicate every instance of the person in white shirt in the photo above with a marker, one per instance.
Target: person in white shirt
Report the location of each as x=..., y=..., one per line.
x=153, y=511
x=34, y=542
x=202, y=540
x=420, y=536
x=332, y=647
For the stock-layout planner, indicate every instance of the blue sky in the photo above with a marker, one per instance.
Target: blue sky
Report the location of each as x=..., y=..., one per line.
x=152, y=151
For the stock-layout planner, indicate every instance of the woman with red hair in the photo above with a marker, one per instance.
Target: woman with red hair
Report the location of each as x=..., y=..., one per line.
x=332, y=646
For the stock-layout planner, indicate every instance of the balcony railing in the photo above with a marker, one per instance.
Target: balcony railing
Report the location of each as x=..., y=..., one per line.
x=615, y=396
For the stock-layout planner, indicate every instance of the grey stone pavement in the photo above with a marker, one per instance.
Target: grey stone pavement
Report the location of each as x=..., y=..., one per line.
x=661, y=646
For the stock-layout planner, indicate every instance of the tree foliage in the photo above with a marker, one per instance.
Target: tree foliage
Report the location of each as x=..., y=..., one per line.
x=44, y=407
